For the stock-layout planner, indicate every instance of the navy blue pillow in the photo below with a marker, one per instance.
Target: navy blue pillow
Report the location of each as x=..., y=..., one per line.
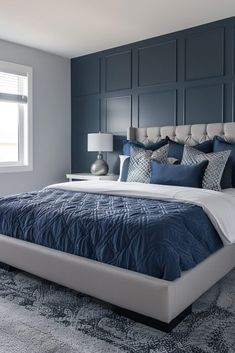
x=178, y=174
x=228, y=177
x=153, y=146
x=127, y=146
x=156, y=145
x=176, y=149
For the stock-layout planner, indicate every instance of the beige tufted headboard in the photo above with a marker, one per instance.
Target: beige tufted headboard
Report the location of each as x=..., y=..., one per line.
x=187, y=134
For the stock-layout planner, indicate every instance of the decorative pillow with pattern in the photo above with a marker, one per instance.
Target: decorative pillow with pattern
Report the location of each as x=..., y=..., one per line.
x=161, y=154
x=139, y=166
x=215, y=168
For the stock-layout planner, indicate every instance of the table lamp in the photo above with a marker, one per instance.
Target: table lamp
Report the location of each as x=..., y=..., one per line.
x=99, y=142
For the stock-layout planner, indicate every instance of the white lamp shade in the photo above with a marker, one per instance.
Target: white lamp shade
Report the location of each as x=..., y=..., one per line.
x=100, y=142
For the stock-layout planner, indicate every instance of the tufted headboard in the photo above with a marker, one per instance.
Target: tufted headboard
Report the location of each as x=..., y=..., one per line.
x=186, y=134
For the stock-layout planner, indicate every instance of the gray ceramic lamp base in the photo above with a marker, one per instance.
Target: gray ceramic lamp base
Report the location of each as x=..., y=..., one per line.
x=99, y=167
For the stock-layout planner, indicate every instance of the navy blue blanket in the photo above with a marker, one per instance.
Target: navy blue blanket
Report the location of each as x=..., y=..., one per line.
x=157, y=238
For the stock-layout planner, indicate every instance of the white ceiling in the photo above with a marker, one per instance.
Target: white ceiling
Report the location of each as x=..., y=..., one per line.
x=76, y=27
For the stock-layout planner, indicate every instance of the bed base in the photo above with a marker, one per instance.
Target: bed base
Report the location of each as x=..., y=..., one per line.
x=149, y=321
x=143, y=319
x=151, y=297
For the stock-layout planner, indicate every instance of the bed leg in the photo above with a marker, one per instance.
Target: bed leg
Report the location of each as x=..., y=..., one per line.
x=146, y=320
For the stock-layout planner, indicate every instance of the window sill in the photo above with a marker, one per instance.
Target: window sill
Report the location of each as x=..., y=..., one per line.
x=15, y=169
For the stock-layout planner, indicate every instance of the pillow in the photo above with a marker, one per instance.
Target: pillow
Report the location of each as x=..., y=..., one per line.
x=205, y=146
x=139, y=164
x=215, y=168
x=181, y=175
x=172, y=160
x=176, y=149
x=228, y=179
x=127, y=146
x=154, y=146
x=161, y=154
x=124, y=165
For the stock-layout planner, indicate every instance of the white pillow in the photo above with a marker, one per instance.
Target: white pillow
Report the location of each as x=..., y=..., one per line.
x=122, y=159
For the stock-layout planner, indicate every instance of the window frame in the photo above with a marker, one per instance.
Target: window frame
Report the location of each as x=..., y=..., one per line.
x=21, y=165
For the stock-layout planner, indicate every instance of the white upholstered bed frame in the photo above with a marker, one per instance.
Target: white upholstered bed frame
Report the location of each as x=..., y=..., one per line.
x=146, y=295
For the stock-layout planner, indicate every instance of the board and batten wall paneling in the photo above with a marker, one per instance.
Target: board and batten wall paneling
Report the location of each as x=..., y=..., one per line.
x=118, y=71
x=161, y=104
x=157, y=64
x=186, y=77
x=204, y=54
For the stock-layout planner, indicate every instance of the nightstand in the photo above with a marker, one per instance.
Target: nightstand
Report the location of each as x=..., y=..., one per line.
x=89, y=176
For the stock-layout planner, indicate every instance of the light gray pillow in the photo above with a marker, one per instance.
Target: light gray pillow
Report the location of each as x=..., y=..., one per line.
x=215, y=168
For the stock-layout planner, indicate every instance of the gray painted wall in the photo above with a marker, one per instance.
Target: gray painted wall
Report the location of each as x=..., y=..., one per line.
x=51, y=119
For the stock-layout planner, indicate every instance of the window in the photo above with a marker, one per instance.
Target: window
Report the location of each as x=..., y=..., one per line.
x=15, y=117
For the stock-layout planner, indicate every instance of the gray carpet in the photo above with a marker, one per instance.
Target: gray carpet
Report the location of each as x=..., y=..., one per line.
x=37, y=316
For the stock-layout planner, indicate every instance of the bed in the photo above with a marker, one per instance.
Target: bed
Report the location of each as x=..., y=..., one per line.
x=158, y=302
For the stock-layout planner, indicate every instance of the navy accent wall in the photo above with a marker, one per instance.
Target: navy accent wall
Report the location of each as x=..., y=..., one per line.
x=186, y=77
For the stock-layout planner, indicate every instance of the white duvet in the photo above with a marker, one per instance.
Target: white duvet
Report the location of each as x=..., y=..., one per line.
x=219, y=206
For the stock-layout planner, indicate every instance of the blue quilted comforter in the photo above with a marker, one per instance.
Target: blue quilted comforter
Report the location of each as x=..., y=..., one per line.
x=158, y=238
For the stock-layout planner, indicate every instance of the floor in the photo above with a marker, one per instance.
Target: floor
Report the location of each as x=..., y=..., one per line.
x=41, y=317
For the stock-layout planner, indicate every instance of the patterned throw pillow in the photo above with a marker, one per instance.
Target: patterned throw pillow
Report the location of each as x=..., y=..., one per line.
x=161, y=154
x=215, y=168
x=139, y=165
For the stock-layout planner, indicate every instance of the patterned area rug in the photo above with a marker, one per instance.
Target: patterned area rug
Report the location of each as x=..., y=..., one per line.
x=37, y=316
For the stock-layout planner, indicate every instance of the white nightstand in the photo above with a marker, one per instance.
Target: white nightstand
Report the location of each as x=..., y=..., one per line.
x=89, y=176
